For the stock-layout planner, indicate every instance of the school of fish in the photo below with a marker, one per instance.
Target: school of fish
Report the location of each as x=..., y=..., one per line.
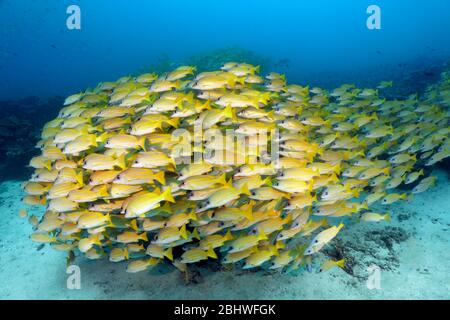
x=227, y=165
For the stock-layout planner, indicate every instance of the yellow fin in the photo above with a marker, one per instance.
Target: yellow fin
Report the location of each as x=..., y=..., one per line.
x=168, y=253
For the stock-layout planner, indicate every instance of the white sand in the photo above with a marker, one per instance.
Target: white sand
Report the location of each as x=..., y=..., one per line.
x=419, y=267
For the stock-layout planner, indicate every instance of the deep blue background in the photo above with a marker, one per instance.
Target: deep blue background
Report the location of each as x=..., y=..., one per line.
x=40, y=56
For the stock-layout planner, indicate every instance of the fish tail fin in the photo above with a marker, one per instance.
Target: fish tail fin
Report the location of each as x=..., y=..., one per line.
x=279, y=245
x=241, y=80
x=160, y=177
x=355, y=192
x=229, y=183
x=341, y=263
x=267, y=181
x=183, y=232
x=169, y=254
x=102, y=137
x=173, y=122
x=180, y=265
x=364, y=206
x=48, y=165
x=121, y=162
x=211, y=254
x=262, y=236
x=434, y=181
x=334, y=178
x=288, y=219
x=79, y=178
x=104, y=191
x=337, y=168
x=126, y=255
x=193, y=216
x=167, y=195
x=133, y=225
x=142, y=143
x=228, y=236
x=248, y=213
x=43, y=200
x=387, y=217
x=143, y=236
x=222, y=179
x=96, y=240
x=207, y=105
x=244, y=190
x=195, y=234
x=228, y=112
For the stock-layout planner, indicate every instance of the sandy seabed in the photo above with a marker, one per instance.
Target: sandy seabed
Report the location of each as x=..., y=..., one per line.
x=412, y=251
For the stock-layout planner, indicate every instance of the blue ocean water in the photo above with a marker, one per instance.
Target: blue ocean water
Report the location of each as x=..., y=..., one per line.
x=318, y=42
x=322, y=42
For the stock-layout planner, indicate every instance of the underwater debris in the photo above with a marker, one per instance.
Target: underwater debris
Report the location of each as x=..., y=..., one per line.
x=228, y=166
x=387, y=237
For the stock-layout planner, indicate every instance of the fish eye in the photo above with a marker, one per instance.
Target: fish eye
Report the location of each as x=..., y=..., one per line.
x=325, y=193
x=221, y=224
x=156, y=237
x=231, y=248
x=253, y=193
x=208, y=203
x=282, y=174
